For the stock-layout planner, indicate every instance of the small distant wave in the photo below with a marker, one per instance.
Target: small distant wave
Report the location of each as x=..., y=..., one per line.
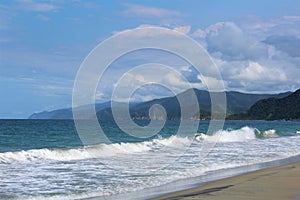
x=95, y=151
x=239, y=135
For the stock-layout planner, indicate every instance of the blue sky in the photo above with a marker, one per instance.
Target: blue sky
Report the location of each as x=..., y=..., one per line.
x=255, y=44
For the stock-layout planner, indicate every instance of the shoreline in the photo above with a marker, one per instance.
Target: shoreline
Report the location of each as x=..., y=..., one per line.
x=215, y=183
x=281, y=182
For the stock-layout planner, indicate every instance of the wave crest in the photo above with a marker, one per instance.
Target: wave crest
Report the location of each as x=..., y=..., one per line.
x=94, y=151
x=243, y=134
x=107, y=150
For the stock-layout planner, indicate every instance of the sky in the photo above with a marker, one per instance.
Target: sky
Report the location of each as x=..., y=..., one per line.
x=255, y=44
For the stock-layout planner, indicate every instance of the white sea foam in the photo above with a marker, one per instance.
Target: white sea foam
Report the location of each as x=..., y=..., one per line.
x=107, y=150
x=243, y=134
x=269, y=133
x=173, y=141
x=89, y=152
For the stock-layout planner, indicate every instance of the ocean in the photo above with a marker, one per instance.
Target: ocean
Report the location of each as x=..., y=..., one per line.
x=45, y=159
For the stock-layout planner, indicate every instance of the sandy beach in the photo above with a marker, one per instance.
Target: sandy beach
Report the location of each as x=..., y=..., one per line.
x=274, y=183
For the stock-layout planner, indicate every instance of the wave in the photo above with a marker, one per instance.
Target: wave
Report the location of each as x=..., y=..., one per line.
x=239, y=135
x=108, y=150
x=94, y=151
x=267, y=134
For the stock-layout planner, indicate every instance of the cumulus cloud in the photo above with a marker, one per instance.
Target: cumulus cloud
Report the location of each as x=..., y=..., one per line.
x=155, y=81
x=248, y=60
x=199, y=33
x=212, y=83
x=232, y=43
x=179, y=83
x=256, y=72
x=259, y=56
x=250, y=76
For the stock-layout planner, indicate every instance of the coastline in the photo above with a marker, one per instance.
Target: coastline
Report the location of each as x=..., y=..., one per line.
x=281, y=182
x=246, y=182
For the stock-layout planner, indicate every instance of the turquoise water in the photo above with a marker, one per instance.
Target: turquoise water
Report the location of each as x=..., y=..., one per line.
x=42, y=159
x=36, y=134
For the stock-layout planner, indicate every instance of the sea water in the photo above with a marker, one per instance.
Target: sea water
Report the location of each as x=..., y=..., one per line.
x=45, y=159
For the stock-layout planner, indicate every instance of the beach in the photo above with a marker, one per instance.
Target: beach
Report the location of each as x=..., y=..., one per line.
x=132, y=169
x=273, y=183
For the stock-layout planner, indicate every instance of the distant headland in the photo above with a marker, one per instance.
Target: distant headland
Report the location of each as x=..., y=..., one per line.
x=245, y=106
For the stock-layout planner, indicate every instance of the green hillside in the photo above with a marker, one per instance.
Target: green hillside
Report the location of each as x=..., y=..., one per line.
x=287, y=108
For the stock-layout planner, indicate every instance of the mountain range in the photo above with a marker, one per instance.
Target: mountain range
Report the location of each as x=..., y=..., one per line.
x=237, y=102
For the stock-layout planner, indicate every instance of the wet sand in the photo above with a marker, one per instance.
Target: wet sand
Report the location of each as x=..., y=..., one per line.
x=277, y=183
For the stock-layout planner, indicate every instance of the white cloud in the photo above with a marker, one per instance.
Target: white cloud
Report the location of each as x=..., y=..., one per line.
x=152, y=82
x=199, y=33
x=143, y=33
x=36, y=6
x=232, y=43
x=263, y=25
x=179, y=84
x=99, y=96
x=256, y=77
x=256, y=72
x=212, y=83
x=246, y=63
x=215, y=27
x=43, y=17
x=135, y=10
x=256, y=55
x=282, y=26
x=183, y=29
x=292, y=18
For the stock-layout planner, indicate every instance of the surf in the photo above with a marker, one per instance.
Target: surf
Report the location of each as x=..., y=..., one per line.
x=239, y=135
x=93, y=151
x=107, y=150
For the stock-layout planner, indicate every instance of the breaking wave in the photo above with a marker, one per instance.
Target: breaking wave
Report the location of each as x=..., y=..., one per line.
x=239, y=135
x=95, y=151
x=108, y=150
